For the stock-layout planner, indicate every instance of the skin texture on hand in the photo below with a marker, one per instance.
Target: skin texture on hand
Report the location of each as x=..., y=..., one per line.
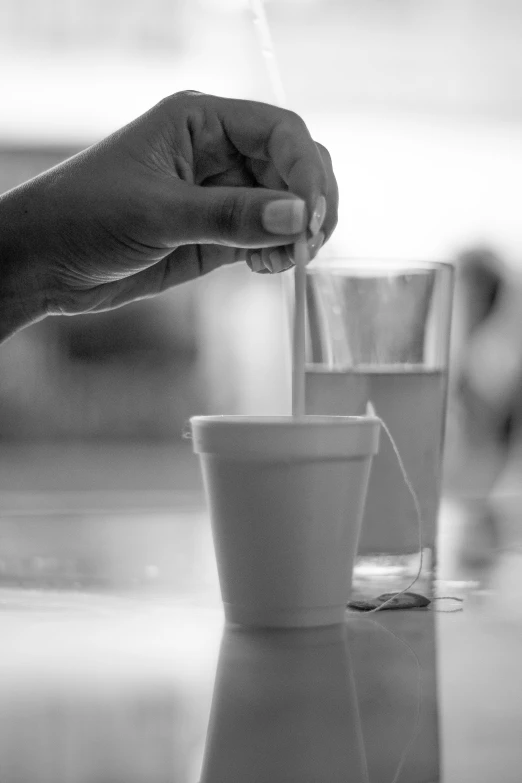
x=195, y=183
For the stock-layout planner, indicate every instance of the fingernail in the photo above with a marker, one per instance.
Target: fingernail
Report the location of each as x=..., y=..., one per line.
x=257, y=262
x=277, y=261
x=265, y=258
x=284, y=216
x=317, y=218
x=315, y=244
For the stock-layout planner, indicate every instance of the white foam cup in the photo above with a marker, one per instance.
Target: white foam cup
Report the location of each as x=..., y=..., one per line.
x=286, y=498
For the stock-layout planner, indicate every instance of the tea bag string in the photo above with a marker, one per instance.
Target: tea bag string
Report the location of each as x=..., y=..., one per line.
x=370, y=410
x=418, y=707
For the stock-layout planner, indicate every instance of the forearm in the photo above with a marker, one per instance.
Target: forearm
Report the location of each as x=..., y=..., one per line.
x=22, y=299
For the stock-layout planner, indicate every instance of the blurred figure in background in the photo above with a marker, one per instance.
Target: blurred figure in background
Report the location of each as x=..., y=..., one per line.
x=488, y=395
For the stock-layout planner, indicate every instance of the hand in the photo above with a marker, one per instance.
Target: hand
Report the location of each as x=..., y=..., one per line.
x=196, y=182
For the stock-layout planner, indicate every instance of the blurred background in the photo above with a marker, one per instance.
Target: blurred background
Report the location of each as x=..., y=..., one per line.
x=420, y=104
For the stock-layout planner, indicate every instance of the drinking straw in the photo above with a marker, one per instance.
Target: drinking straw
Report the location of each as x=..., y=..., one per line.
x=301, y=255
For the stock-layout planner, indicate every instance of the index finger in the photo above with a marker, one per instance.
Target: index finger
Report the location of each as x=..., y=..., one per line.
x=263, y=132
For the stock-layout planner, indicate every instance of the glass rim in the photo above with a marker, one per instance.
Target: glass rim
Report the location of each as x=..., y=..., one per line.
x=359, y=264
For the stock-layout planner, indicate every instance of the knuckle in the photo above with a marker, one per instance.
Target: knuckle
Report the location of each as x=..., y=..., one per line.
x=166, y=104
x=183, y=97
x=228, y=216
x=294, y=121
x=188, y=94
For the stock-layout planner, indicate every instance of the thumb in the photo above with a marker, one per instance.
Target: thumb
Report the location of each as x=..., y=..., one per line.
x=239, y=217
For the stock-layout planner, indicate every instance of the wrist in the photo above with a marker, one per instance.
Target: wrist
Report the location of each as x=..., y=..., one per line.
x=22, y=297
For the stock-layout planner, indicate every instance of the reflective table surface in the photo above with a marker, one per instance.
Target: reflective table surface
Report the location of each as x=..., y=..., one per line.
x=115, y=666
x=101, y=688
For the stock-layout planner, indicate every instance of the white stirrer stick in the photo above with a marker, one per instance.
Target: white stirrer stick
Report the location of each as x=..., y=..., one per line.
x=299, y=331
x=301, y=255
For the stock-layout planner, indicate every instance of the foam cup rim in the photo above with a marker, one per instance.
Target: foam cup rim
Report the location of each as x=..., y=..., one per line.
x=308, y=419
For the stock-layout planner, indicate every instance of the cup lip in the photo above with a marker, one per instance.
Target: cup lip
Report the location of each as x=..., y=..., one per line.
x=313, y=420
x=359, y=264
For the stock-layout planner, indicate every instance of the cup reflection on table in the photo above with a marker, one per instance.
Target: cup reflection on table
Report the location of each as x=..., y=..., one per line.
x=379, y=332
x=354, y=702
x=284, y=709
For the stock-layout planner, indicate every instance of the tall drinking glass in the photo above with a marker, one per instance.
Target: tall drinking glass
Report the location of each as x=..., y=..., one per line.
x=379, y=332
